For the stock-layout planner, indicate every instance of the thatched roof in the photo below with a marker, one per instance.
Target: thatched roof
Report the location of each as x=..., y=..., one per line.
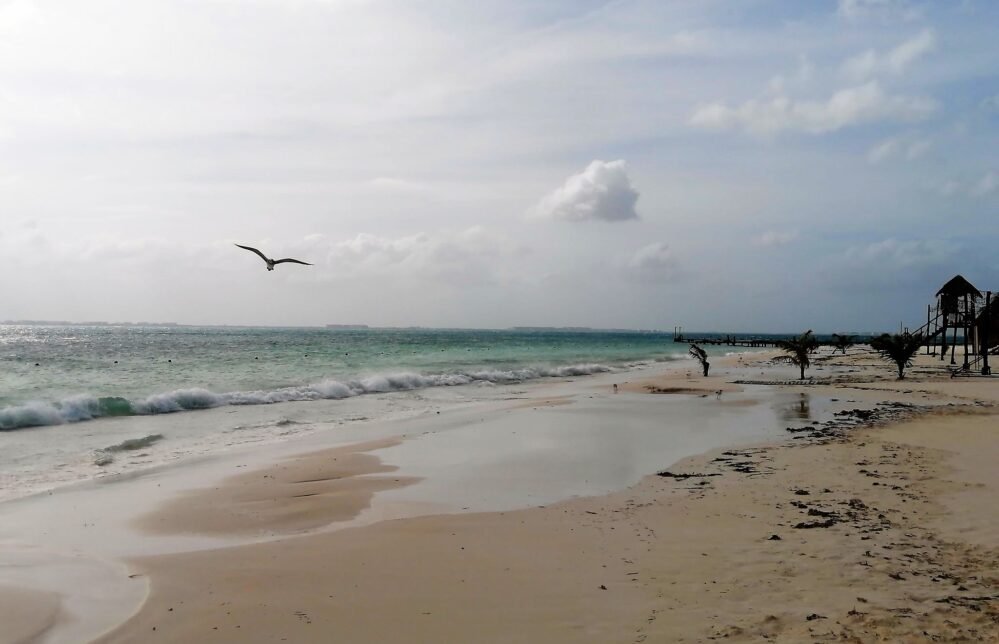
x=959, y=287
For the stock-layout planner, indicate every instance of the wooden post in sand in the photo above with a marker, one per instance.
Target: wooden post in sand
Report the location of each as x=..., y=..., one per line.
x=986, y=323
x=967, y=327
x=943, y=335
x=928, y=307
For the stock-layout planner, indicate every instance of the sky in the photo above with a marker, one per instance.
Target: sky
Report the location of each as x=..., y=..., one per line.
x=721, y=165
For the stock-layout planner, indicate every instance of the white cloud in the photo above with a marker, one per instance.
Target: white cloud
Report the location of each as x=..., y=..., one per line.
x=654, y=263
x=601, y=192
x=801, y=76
x=871, y=63
x=910, y=150
x=775, y=238
x=466, y=256
x=883, y=9
x=849, y=107
x=882, y=151
x=988, y=184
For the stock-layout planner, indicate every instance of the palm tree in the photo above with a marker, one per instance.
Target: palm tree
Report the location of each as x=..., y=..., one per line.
x=843, y=342
x=797, y=350
x=898, y=348
x=701, y=356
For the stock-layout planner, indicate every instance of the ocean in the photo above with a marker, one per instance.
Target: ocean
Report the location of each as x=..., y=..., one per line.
x=79, y=402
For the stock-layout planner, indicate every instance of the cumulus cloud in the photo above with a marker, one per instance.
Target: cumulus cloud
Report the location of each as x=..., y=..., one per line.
x=775, y=238
x=601, y=192
x=848, y=107
x=871, y=63
x=654, y=263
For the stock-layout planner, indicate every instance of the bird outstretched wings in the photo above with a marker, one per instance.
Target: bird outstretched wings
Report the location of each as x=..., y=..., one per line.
x=252, y=249
x=271, y=263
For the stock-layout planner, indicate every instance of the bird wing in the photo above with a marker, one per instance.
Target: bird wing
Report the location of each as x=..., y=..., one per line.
x=250, y=248
x=293, y=261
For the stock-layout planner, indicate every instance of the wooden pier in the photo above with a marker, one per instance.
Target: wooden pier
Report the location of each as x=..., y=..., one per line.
x=730, y=341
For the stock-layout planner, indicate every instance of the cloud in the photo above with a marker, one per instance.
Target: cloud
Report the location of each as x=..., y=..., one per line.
x=473, y=255
x=775, y=238
x=653, y=263
x=991, y=103
x=986, y=185
x=910, y=150
x=948, y=188
x=849, y=107
x=396, y=185
x=803, y=75
x=882, y=151
x=601, y=192
x=883, y=270
x=899, y=255
x=883, y=9
x=871, y=63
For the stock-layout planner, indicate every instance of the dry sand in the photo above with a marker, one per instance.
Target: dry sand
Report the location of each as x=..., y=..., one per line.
x=875, y=529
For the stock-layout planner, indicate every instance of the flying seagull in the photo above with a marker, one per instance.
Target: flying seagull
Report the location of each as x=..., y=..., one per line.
x=272, y=262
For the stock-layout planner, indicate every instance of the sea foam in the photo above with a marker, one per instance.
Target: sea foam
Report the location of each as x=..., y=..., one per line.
x=87, y=407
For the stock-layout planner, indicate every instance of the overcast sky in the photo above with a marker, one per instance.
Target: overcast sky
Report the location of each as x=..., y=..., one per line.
x=757, y=166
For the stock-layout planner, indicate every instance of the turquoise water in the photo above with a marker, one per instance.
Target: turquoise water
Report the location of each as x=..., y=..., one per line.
x=51, y=375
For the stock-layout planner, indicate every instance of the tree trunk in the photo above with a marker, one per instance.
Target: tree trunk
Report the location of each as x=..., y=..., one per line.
x=901, y=371
x=802, y=372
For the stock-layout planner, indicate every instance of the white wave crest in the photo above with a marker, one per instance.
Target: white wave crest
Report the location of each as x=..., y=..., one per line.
x=87, y=407
x=36, y=414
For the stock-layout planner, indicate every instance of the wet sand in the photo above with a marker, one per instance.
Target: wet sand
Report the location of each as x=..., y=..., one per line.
x=299, y=493
x=872, y=526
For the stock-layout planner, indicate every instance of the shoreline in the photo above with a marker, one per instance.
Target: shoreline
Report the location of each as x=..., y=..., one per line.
x=575, y=519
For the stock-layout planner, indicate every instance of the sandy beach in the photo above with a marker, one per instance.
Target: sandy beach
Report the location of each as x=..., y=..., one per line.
x=877, y=523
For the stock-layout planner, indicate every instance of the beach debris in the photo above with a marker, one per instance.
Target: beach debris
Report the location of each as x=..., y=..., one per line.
x=774, y=537
x=808, y=525
x=602, y=587
x=815, y=616
x=134, y=443
x=813, y=512
x=684, y=476
x=102, y=458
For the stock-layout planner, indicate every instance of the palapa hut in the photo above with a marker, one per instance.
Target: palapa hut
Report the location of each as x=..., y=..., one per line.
x=956, y=303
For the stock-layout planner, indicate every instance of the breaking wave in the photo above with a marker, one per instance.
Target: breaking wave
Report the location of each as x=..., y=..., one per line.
x=87, y=407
